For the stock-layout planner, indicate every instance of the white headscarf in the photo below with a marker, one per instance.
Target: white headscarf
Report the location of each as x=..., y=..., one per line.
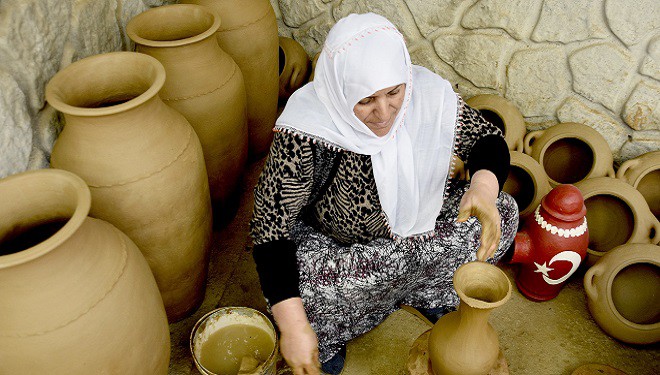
x=363, y=54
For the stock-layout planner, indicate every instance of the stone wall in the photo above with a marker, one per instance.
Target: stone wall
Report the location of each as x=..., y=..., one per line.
x=590, y=61
x=595, y=62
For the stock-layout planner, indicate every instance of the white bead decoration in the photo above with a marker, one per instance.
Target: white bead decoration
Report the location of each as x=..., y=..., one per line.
x=566, y=233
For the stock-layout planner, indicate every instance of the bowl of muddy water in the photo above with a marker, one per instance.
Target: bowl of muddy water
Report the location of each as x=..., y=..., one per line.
x=233, y=341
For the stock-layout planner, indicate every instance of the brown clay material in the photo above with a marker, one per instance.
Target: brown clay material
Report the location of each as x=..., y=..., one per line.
x=203, y=84
x=570, y=152
x=527, y=182
x=79, y=300
x=617, y=214
x=463, y=342
x=503, y=114
x=144, y=166
x=314, y=61
x=248, y=33
x=643, y=173
x=622, y=293
x=294, y=67
x=596, y=369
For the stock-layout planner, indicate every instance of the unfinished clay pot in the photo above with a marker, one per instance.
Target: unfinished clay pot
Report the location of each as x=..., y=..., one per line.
x=203, y=84
x=617, y=215
x=77, y=295
x=463, y=342
x=622, y=290
x=570, y=152
x=248, y=33
x=503, y=114
x=294, y=67
x=552, y=244
x=643, y=173
x=527, y=182
x=143, y=163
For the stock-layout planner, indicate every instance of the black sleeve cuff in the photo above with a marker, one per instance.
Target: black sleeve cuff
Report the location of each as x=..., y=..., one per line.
x=491, y=153
x=277, y=267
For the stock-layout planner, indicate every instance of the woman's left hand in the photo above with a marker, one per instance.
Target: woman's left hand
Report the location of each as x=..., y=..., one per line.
x=479, y=201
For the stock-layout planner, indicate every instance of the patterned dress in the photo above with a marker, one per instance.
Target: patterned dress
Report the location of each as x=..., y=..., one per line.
x=320, y=233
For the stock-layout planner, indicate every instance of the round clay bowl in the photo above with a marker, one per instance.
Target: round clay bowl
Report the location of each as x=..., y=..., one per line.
x=643, y=173
x=503, y=114
x=293, y=67
x=570, y=152
x=527, y=182
x=622, y=291
x=616, y=214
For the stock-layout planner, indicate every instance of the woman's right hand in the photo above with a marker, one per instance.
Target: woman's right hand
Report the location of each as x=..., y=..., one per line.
x=298, y=342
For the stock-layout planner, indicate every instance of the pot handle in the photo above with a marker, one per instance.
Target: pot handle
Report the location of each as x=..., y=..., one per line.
x=624, y=168
x=529, y=139
x=654, y=232
x=519, y=145
x=589, y=277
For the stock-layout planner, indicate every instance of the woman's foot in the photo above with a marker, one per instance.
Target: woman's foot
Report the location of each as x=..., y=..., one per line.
x=335, y=364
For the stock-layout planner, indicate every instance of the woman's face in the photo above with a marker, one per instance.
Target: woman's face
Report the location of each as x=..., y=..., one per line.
x=379, y=110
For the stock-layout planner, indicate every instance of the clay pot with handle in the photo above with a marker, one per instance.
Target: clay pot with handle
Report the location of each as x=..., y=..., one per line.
x=294, y=67
x=77, y=295
x=623, y=290
x=570, y=152
x=643, y=173
x=203, y=84
x=617, y=214
x=527, y=182
x=503, y=114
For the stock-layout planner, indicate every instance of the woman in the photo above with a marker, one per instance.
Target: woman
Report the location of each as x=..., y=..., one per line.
x=354, y=211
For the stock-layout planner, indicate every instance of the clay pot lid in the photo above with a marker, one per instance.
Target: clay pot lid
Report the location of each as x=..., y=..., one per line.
x=565, y=202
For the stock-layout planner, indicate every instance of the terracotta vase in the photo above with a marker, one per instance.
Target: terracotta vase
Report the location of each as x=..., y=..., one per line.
x=143, y=163
x=203, y=84
x=527, y=182
x=617, y=215
x=248, y=33
x=463, y=342
x=643, y=173
x=622, y=292
x=294, y=67
x=552, y=244
x=77, y=295
x=503, y=114
x=570, y=152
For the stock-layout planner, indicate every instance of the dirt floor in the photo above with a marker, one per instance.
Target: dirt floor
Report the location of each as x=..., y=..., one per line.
x=547, y=338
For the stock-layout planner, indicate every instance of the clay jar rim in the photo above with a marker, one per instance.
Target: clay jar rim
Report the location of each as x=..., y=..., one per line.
x=55, y=182
x=161, y=18
x=228, y=309
x=68, y=98
x=642, y=172
x=475, y=272
x=541, y=188
x=640, y=257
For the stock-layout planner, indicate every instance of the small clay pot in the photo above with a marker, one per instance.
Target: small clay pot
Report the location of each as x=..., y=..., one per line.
x=643, y=173
x=570, y=152
x=617, y=214
x=294, y=67
x=503, y=114
x=622, y=290
x=527, y=182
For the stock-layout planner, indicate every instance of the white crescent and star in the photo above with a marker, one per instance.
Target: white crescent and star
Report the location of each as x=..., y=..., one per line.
x=568, y=256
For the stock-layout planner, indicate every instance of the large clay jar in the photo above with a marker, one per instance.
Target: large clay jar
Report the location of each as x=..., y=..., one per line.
x=551, y=245
x=643, y=173
x=248, y=33
x=622, y=291
x=570, y=152
x=203, y=84
x=503, y=114
x=143, y=163
x=463, y=342
x=527, y=182
x=294, y=67
x=77, y=295
x=617, y=215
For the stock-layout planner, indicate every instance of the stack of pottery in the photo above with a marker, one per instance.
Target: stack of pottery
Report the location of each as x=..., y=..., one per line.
x=203, y=84
x=77, y=295
x=143, y=164
x=248, y=33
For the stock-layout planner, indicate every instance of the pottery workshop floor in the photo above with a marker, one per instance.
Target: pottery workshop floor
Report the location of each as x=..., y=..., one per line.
x=547, y=338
